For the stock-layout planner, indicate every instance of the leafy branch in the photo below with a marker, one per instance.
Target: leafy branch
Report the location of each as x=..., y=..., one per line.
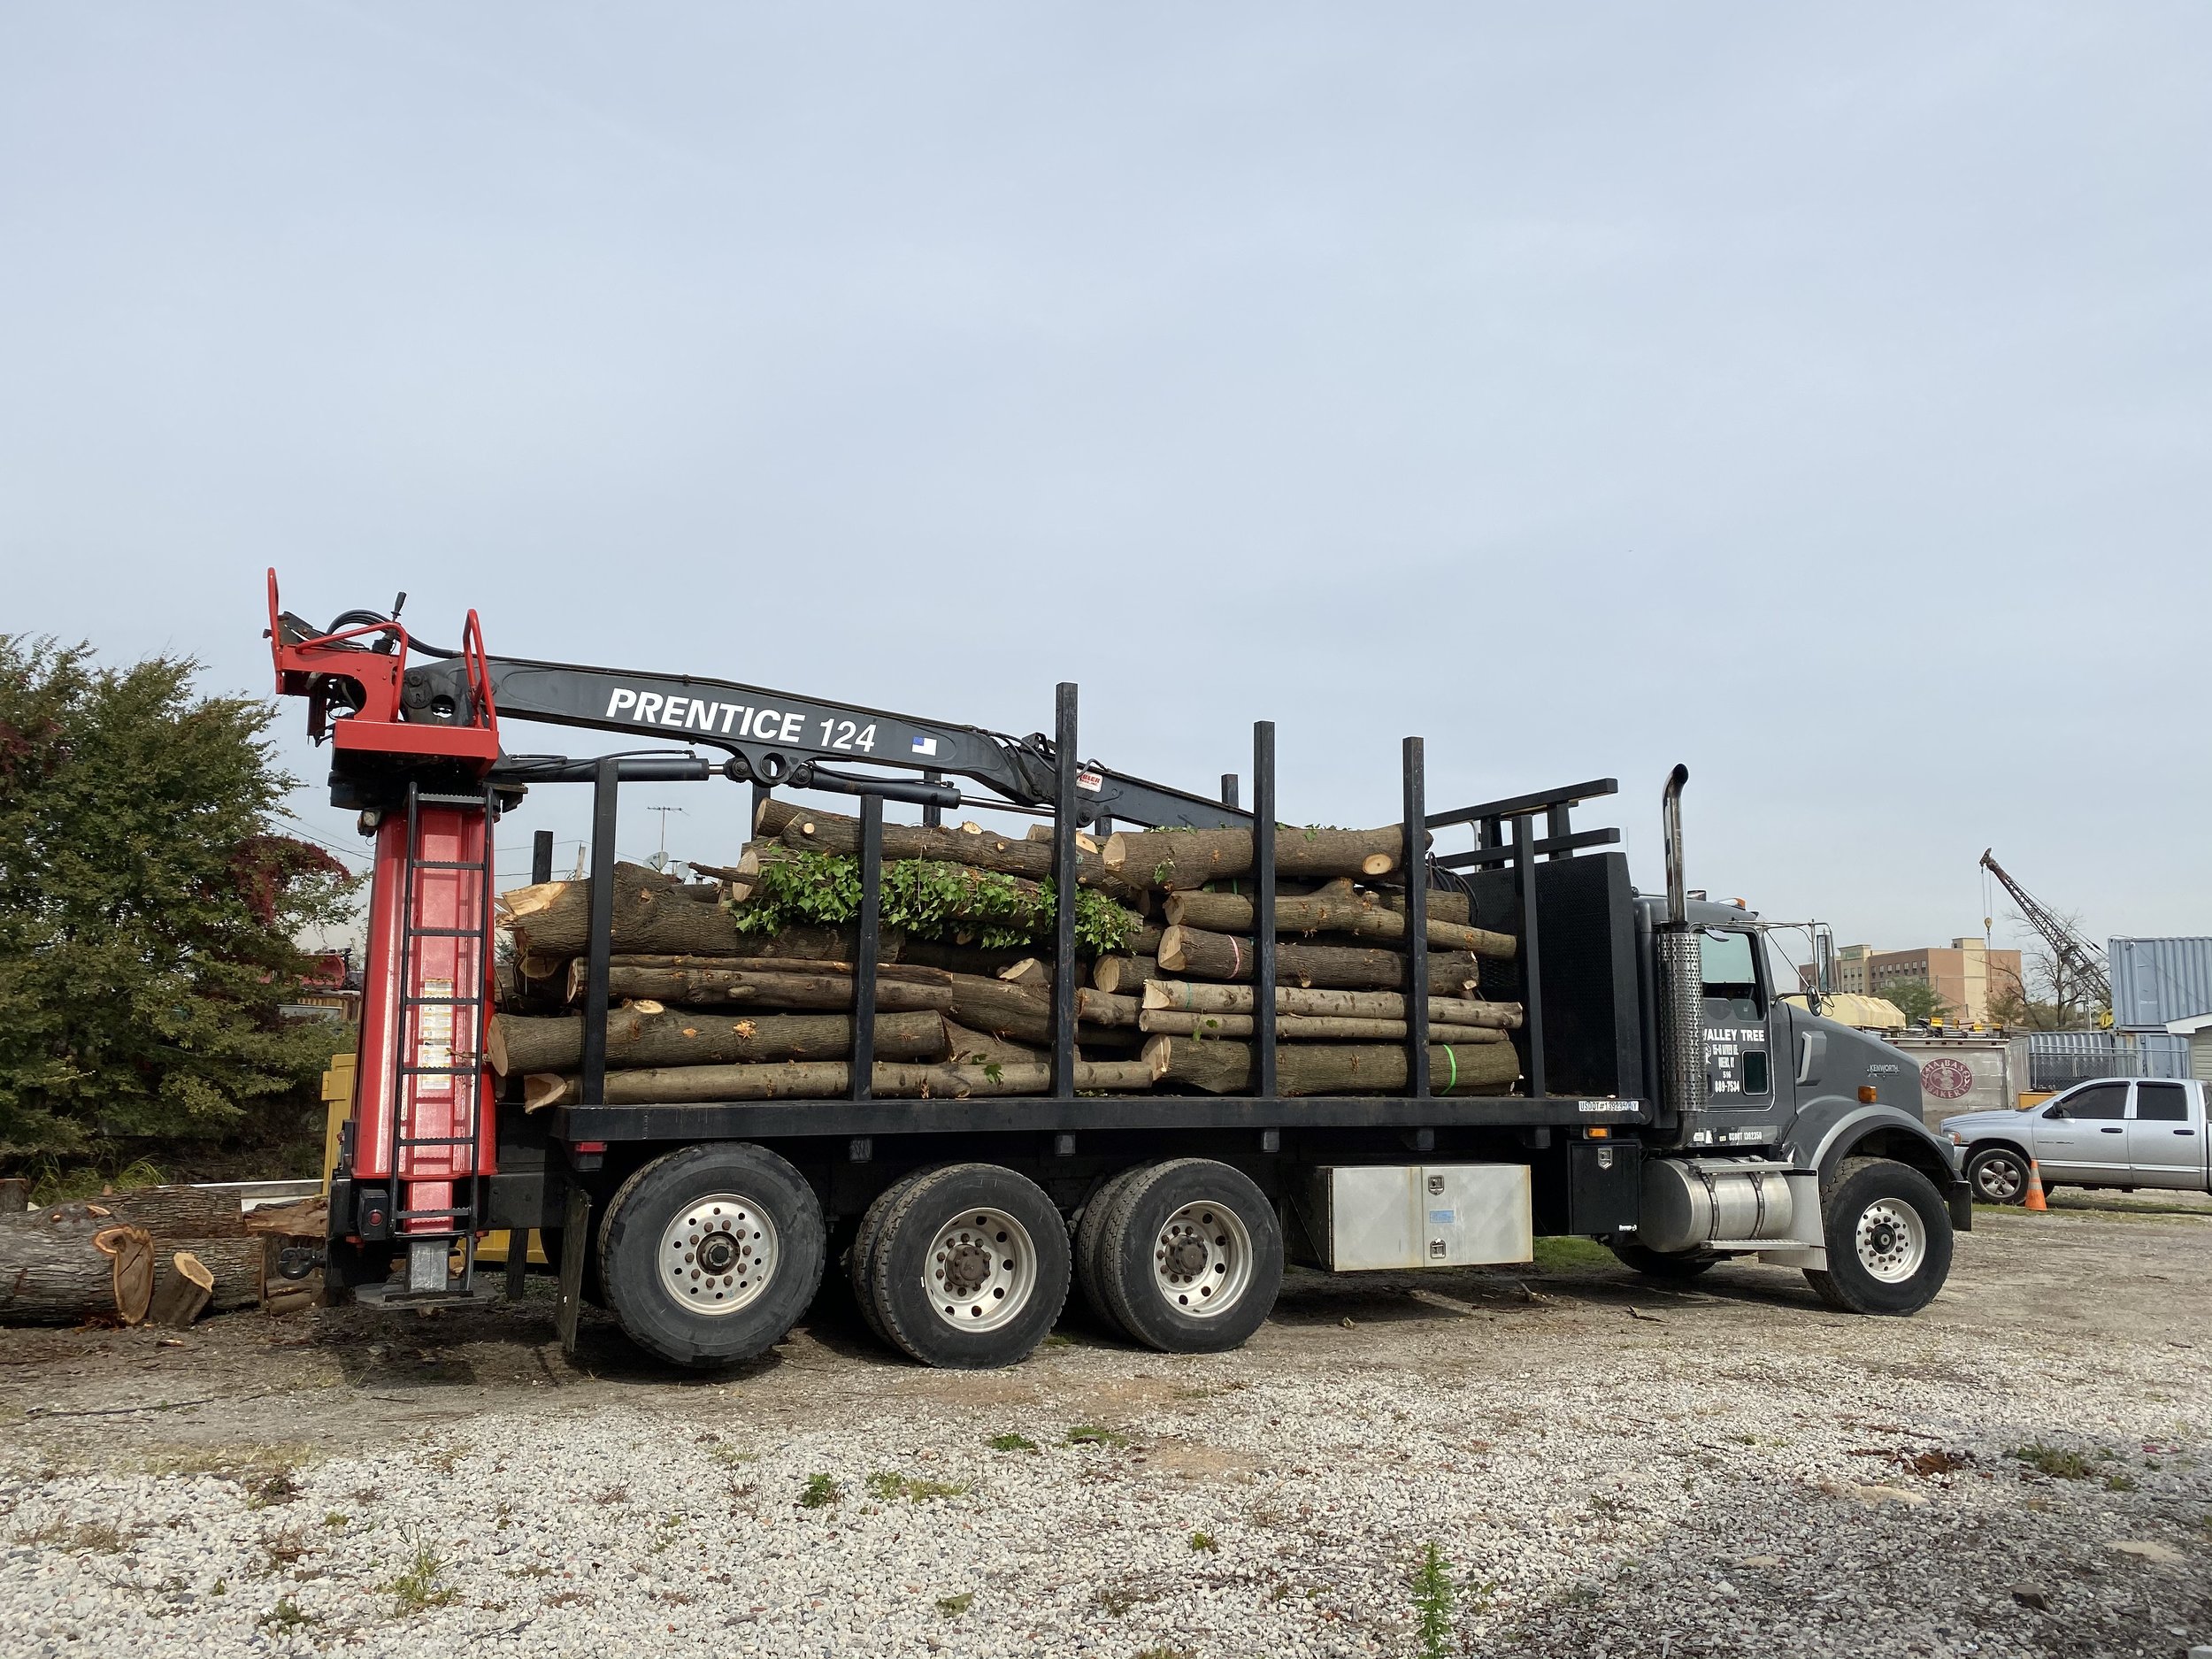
x=928, y=898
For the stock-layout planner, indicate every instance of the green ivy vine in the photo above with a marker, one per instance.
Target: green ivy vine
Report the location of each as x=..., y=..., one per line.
x=930, y=899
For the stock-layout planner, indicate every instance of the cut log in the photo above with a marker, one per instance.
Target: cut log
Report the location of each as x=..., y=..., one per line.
x=1024, y=1012
x=183, y=1292
x=290, y=1299
x=1305, y=1027
x=15, y=1195
x=980, y=1047
x=959, y=958
x=1189, y=950
x=651, y=914
x=1330, y=912
x=1191, y=995
x=302, y=1219
x=773, y=815
x=167, y=1213
x=240, y=1271
x=1028, y=970
x=1124, y=976
x=73, y=1269
x=830, y=986
x=637, y=1039
x=1180, y=860
x=829, y=1079
x=1013, y=856
x=1444, y=905
x=1220, y=1066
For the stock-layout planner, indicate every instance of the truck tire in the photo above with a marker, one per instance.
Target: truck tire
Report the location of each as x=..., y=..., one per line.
x=1889, y=1239
x=1999, y=1175
x=863, y=1248
x=1677, y=1265
x=729, y=1212
x=969, y=1267
x=1088, y=1231
x=1190, y=1256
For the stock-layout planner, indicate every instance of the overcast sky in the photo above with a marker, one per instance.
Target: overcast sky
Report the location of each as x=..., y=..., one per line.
x=1817, y=398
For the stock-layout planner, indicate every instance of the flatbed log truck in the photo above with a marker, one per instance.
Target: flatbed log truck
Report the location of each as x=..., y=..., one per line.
x=1672, y=1107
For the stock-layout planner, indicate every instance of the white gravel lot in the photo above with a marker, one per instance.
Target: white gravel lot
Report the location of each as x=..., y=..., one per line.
x=1734, y=1475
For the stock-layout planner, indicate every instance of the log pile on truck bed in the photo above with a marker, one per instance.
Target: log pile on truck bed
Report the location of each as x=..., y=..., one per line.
x=741, y=987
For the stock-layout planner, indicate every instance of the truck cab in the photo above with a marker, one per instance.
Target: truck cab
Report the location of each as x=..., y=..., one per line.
x=2107, y=1132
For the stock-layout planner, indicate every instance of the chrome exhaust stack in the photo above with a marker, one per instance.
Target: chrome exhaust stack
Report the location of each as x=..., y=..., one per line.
x=1680, y=976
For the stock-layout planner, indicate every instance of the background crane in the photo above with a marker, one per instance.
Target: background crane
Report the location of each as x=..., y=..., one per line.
x=2081, y=961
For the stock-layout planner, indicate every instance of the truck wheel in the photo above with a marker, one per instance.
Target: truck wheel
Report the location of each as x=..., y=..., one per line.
x=1190, y=1256
x=1088, y=1231
x=969, y=1267
x=1663, y=1263
x=1889, y=1239
x=710, y=1254
x=863, y=1248
x=1999, y=1175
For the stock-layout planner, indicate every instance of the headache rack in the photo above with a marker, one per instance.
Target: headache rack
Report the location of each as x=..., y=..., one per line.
x=1581, y=1026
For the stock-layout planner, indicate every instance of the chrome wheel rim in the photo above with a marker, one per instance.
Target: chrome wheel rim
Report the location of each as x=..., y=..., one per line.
x=1893, y=1241
x=1201, y=1260
x=718, y=1254
x=981, y=1269
x=2000, y=1179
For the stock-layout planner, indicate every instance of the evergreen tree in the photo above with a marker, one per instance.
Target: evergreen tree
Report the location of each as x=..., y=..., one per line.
x=147, y=908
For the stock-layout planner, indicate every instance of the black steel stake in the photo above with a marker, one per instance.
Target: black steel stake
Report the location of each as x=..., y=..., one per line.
x=864, y=1061
x=1416, y=864
x=606, y=782
x=1064, y=874
x=1262, y=904
x=1532, y=954
x=541, y=857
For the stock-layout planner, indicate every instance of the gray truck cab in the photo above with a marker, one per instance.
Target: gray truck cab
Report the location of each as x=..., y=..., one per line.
x=1780, y=1134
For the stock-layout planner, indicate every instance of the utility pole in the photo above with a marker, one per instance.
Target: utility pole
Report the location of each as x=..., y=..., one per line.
x=660, y=858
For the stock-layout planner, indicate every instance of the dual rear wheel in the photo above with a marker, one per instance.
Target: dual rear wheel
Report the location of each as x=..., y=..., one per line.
x=709, y=1256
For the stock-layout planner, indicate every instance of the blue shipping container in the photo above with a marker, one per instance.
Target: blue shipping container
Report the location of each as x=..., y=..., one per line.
x=2156, y=981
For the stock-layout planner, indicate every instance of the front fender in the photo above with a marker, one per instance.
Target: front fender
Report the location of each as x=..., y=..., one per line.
x=1832, y=1127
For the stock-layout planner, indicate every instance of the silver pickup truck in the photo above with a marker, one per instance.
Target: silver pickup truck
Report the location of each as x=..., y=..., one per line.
x=2108, y=1132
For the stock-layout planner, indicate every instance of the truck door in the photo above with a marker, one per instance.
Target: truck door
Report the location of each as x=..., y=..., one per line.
x=2165, y=1141
x=2082, y=1135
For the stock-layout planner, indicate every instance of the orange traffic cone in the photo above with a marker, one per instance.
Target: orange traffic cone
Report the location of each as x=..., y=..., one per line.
x=2034, y=1200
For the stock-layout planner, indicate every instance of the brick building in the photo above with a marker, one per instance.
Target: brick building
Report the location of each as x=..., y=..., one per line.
x=1966, y=974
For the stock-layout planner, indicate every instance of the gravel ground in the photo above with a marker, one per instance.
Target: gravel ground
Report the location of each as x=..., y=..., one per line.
x=1604, y=1468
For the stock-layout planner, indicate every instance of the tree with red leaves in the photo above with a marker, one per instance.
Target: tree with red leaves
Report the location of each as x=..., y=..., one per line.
x=148, y=906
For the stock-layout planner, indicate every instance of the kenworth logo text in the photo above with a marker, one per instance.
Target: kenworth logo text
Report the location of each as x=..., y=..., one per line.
x=735, y=720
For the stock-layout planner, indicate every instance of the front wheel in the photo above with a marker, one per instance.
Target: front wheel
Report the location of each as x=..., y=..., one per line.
x=710, y=1255
x=1888, y=1235
x=1999, y=1175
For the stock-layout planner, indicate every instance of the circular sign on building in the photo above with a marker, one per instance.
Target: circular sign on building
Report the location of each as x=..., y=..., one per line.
x=1945, y=1078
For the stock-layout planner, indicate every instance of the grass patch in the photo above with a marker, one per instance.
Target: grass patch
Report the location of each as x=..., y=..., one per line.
x=1555, y=1255
x=1169, y=1653
x=729, y=1456
x=1205, y=1541
x=888, y=1485
x=665, y=1534
x=444, y=1458
x=819, y=1492
x=286, y=1618
x=1092, y=1434
x=954, y=1606
x=82, y=1537
x=1432, y=1603
x=423, y=1586
x=265, y=1469
x=1012, y=1443
x=2119, y=1483
x=282, y=1549
x=334, y=1522
x=2054, y=1461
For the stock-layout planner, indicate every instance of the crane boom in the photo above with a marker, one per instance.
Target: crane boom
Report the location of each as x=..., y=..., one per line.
x=2080, y=958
